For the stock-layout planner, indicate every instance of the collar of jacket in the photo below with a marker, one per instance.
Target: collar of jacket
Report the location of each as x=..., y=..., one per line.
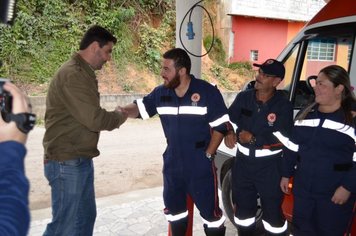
x=85, y=65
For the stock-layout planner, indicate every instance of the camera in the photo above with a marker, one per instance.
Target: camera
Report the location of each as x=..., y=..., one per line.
x=5, y=100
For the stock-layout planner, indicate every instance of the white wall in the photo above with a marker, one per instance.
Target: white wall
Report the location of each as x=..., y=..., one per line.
x=296, y=10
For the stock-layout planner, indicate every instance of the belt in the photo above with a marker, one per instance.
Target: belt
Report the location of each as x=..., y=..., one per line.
x=258, y=152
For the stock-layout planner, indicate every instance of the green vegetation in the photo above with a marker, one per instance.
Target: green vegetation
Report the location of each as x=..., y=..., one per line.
x=217, y=71
x=47, y=32
x=243, y=68
x=217, y=52
x=152, y=40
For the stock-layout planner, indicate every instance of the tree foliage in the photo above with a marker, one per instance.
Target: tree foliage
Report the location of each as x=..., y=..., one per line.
x=47, y=32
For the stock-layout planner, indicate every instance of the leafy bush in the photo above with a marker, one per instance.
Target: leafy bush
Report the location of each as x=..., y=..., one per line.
x=47, y=32
x=243, y=68
x=240, y=65
x=217, y=52
x=153, y=39
x=217, y=71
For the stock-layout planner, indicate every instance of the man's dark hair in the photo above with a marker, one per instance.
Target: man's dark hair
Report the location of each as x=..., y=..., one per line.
x=180, y=57
x=97, y=34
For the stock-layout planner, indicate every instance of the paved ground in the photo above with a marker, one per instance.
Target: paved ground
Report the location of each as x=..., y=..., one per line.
x=136, y=213
x=128, y=183
x=130, y=159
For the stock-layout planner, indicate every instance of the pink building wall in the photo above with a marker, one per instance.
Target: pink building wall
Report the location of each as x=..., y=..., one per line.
x=268, y=36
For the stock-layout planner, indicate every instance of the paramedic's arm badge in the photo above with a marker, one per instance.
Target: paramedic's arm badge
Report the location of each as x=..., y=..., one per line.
x=24, y=121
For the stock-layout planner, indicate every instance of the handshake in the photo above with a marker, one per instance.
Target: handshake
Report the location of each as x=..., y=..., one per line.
x=16, y=118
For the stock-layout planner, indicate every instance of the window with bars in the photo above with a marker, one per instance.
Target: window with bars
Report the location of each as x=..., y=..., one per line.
x=254, y=55
x=321, y=50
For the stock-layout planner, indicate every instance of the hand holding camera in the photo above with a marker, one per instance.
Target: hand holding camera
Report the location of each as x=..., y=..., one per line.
x=16, y=118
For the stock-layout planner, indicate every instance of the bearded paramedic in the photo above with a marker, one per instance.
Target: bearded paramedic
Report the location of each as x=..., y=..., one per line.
x=194, y=119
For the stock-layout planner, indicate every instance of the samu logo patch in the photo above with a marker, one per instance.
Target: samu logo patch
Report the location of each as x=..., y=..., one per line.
x=271, y=118
x=195, y=99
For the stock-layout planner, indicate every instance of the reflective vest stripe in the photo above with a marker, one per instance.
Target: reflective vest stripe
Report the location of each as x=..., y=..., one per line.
x=167, y=110
x=142, y=109
x=182, y=110
x=266, y=152
x=246, y=222
x=328, y=124
x=170, y=217
x=286, y=142
x=214, y=224
x=308, y=122
x=219, y=121
x=194, y=110
x=354, y=157
x=275, y=230
x=340, y=127
x=191, y=110
x=258, y=152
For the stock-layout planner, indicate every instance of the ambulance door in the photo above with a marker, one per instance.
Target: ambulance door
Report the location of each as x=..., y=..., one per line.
x=320, y=47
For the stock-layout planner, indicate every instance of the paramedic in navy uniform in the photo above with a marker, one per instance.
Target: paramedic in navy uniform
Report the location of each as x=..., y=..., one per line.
x=258, y=113
x=194, y=119
x=322, y=149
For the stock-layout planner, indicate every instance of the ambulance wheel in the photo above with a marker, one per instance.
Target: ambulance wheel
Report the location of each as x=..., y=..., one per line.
x=226, y=192
x=227, y=200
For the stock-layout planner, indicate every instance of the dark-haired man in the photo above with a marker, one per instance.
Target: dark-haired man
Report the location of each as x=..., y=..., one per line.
x=195, y=120
x=73, y=121
x=258, y=113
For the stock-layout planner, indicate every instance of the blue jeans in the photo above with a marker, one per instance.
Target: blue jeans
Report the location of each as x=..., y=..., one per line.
x=73, y=197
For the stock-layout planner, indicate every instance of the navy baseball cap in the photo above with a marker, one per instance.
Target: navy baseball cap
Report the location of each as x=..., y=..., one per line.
x=272, y=67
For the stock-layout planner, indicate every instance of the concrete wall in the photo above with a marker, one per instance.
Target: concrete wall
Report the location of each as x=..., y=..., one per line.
x=109, y=102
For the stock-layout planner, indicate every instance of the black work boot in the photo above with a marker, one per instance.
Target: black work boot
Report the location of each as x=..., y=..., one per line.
x=179, y=228
x=215, y=231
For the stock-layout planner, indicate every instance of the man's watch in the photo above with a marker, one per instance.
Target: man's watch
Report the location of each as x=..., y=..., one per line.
x=252, y=140
x=210, y=156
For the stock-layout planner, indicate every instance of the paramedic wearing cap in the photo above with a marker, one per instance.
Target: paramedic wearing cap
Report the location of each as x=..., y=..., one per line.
x=194, y=119
x=258, y=113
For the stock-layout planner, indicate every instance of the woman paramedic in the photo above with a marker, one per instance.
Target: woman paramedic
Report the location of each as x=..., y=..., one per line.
x=319, y=155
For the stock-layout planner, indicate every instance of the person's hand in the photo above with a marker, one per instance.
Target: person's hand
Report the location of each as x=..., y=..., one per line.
x=20, y=104
x=245, y=136
x=284, y=185
x=341, y=195
x=123, y=112
x=230, y=139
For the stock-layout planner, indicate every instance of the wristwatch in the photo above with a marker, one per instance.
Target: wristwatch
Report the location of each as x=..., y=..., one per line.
x=210, y=156
x=252, y=140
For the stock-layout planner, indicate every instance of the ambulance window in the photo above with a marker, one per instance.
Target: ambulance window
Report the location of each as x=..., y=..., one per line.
x=325, y=51
x=320, y=47
x=321, y=51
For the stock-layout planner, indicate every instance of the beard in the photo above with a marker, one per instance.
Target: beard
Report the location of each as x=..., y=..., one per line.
x=174, y=83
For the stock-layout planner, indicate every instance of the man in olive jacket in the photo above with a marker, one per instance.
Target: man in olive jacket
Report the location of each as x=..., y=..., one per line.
x=73, y=122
